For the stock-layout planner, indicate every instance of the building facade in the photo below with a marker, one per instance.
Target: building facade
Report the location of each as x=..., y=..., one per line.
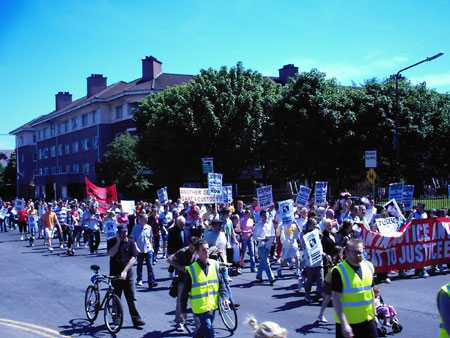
x=57, y=150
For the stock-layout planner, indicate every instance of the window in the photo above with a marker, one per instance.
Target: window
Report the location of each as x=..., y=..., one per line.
x=74, y=123
x=95, y=142
x=68, y=168
x=76, y=168
x=45, y=133
x=84, y=120
x=60, y=149
x=86, y=144
x=60, y=128
x=41, y=172
x=66, y=126
x=40, y=154
x=34, y=137
x=67, y=149
x=45, y=153
x=86, y=168
x=75, y=147
x=94, y=117
x=52, y=130
x=46, y=171
x=52, y=151
x=119, y=112
x=132, y=106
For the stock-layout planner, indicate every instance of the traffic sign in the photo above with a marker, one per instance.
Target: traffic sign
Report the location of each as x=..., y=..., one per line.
x=371, y=158
x=371, y=176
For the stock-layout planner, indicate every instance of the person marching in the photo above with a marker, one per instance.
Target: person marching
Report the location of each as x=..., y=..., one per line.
x=443, y=303
x=205, y=284
x=352, y=292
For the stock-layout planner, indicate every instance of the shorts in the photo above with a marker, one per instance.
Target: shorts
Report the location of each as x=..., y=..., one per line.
x=48, y=233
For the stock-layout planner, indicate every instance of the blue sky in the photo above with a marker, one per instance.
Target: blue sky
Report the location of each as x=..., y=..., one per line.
x=50, y=46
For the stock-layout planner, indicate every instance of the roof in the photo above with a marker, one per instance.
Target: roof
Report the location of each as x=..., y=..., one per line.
x=112, y=92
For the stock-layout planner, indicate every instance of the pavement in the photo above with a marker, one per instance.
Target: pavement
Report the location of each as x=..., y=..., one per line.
x=42, y=295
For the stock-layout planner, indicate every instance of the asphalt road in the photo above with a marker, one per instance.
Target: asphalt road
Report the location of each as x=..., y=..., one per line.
x=42, y=295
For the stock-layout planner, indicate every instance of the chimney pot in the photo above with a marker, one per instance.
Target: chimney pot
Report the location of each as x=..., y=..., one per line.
x=286, y=72
x=62, y=99
x=95, y=84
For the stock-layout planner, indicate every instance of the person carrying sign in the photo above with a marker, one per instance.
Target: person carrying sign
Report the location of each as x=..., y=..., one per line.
x=352, y=292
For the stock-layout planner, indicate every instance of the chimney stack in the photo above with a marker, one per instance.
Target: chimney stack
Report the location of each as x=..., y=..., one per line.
x=62, y=99
x=151, y=68
x=286, y=72
x=95, y=84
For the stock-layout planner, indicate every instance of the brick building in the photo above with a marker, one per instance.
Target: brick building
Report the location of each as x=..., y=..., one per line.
x=55, y=151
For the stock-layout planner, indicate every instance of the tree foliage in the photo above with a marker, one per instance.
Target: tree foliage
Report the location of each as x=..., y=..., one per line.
x=121, y=166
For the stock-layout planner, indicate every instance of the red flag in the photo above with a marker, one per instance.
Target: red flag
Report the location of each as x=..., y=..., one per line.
x=104, y=196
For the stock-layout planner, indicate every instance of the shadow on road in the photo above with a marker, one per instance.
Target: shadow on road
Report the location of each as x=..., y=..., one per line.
x=316, y=327
x=82, y=327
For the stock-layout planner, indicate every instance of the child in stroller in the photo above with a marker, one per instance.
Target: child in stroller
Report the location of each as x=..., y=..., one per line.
x=386, y=315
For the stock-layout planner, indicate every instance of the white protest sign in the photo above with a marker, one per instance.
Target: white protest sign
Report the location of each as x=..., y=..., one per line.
x=303, y=195
x=227, y=194
x=387, y=226
x=207, y=165
x=215, y=184
x=371, y=158
x=265, y=197
x=110, y=227
x=198, y=195
x=3, y=214
x=162, y=195
x=396, y=192
x=313, y=247
x=321, y=192
x=128, y=206
x=19, y=204
x=408, y=194
x=394, y=210
x=286, y=210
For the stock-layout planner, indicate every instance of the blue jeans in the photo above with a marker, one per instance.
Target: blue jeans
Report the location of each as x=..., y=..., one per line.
x=264, y=264
x=248, y=245
x=205, y=328
x=148, y=257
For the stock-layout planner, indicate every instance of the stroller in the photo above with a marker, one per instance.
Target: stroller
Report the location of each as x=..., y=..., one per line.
x=386, y=317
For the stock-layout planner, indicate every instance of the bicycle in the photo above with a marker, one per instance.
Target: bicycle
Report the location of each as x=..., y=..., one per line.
x=111, y=306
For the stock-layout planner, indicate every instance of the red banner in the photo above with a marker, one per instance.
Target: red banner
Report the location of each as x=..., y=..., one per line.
x=419, y=243
x=104, y=196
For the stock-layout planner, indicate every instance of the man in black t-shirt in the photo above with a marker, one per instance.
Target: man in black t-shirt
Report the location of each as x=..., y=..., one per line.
x=123, y=253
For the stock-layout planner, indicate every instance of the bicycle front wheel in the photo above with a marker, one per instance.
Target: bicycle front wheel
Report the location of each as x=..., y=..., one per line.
x=228, y=315
x=113, y=314
x=91, y=303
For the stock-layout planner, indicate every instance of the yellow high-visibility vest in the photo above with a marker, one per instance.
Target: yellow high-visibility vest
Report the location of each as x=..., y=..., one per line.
x=442, y=331
x=357, y=294
x=205, y=288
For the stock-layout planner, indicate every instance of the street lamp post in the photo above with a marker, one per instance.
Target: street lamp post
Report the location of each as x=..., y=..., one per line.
x=396, y=141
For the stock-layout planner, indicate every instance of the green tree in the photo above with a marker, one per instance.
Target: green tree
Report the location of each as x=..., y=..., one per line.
x=121, y=166
x=220, y=113
x=8, y=178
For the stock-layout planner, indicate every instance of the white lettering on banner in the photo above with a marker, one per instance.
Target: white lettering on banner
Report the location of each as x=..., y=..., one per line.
x=387, y=226
x=303, y=195
x=265, y=197
x=128, y=206
x=313, y=247
x=215, y=184
x=286, y=210
x=321, y=192
x=162, y=195
x=198, y=195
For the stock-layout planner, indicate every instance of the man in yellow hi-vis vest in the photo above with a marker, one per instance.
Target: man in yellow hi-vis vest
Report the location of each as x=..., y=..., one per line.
x=443, y=303
x=352, y=292
x=206, y=286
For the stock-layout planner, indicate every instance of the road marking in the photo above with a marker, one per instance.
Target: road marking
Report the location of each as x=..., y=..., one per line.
x=36, y=329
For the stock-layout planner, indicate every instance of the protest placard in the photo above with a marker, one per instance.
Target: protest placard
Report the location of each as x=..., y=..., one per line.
x=394, y=210
x=286, y=210
x=303, y=195
x=313, y=247
x=387, y=226
x=320, y=193
x=265, y=197
x=198, y=195
x=110, y=227
x=207, y=165
x=215, y=184
x=408, y=194
x=396, y=192
x=227, y=194
x=19, y=204
x=419, y=243
x=162, y=195
x=128, y=206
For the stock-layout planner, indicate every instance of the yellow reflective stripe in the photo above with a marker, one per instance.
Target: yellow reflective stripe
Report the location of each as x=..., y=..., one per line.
x=355, y=304
x=193, y=274
x=197, y=285
x=205, y=294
